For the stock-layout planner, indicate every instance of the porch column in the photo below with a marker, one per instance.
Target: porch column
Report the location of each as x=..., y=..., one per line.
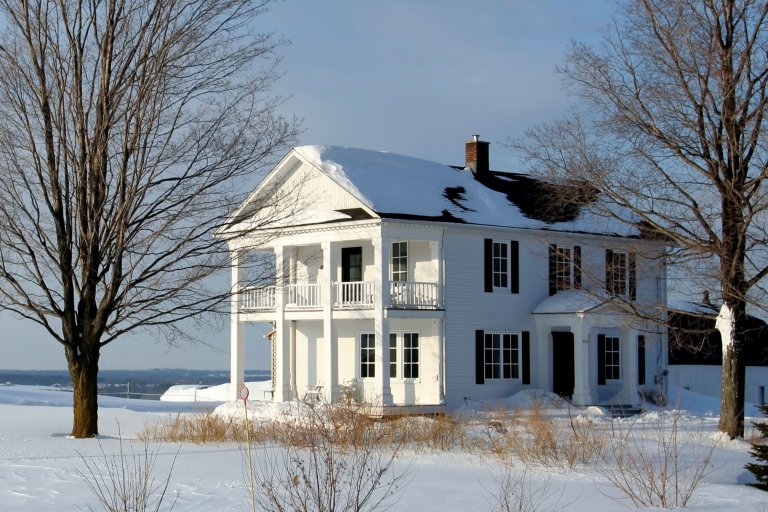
x=544, y=379
x=282, y=327
x=437, y=257
x=236, y=328
x=628, y=394
x=581, y=392
x=330, y=332
x=381, y=302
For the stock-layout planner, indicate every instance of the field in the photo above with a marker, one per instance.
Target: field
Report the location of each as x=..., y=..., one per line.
x=39, y=464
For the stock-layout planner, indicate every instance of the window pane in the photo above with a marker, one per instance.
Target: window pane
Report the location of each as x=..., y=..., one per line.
x=496, y=371
x=507, y=371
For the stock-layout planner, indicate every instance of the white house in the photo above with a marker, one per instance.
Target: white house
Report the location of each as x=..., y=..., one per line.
x=416, y=283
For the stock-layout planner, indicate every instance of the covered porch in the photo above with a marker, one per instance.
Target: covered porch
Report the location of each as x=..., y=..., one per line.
x=587, y=352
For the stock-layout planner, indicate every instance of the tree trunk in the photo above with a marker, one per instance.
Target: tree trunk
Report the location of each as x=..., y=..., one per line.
x=730, y=324
x=84, y=369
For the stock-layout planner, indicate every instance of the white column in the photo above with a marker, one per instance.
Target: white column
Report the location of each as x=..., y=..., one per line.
x=236, y=328
x=437, y=257
x=581, y=391
x=331, y=256
x=544, y=380
x=381, y=248
x=628, y=393
x=294, y=391
x=282, y=327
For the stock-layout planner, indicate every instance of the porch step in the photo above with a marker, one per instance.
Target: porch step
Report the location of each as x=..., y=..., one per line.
x=624, y=411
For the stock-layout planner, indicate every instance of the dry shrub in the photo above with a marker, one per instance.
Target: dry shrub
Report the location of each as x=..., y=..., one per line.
x=125, y=482
x=435, y=432
x=657, y=463
x=199, y=427
x=536, y=439
x=516, y=491
x=344, y=463
x=348, y=424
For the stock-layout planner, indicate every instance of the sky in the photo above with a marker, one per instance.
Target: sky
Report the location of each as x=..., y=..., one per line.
x=417, y=78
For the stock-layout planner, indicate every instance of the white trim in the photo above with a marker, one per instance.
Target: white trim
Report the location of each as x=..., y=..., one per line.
x=619, y=364
x=401, y=355
x=519, y=363
x=505, y=243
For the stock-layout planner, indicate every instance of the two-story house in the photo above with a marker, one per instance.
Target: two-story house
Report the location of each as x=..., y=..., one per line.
x=417, y=283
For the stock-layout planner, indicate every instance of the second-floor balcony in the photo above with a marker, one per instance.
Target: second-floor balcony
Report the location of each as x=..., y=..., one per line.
x=347, y=295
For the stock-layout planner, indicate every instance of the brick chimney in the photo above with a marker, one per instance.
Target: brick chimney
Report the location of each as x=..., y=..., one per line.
x=477, y=156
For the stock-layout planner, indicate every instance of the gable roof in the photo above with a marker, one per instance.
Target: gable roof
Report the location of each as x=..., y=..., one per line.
x=402, y=187
x=395, y=186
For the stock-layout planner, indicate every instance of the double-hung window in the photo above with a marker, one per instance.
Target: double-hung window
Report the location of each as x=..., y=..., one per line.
x=612, y=358
x=399, y=261
x=393, y=355
x=502, y=356
x=404, y=357
x=618, y=273
x=367, y=355
x=410, y=355
x=500, y=264
x=563, y=268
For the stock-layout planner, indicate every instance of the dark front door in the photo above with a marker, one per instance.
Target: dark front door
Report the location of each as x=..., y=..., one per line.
x=562, y=364
x=351, y=264
x=352, y=272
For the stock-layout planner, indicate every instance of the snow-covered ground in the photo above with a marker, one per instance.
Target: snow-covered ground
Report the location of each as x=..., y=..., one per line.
x=38, y=462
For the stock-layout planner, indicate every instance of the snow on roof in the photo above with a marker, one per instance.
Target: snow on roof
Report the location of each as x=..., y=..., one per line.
x=397, y=186
x=694, y=308
x=571, y=301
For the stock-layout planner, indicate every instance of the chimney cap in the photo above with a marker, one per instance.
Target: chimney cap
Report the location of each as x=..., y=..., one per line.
x=475, y=138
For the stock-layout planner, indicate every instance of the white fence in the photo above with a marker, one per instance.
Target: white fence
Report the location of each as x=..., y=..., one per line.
x=305, y=295
x=354, y=294
x=259, y=298
x=412, y=294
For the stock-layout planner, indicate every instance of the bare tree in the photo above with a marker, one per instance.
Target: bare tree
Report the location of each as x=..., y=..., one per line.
x=127, y=128
x=670, y=133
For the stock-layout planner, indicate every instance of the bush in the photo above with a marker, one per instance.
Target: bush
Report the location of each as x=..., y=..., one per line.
x=127, y=482
x=657, y=463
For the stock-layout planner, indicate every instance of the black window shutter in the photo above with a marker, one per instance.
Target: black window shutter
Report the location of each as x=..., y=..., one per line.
x=526, y=357
x=609, y=272
x=577, y=266
x=601, y=359
x=641, y=360
x=552, y=269
x=514, y=266
x=632, y=277
x=488, y=265
x=480, y=357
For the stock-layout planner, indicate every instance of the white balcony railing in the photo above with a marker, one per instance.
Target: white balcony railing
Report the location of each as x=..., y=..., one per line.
x=354, y=294
x=411, y=294
x=305, y=295
x=259, y=298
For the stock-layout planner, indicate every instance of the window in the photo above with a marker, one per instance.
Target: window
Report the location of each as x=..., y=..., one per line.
x=500, y=264
x=367, y=356
x=612, y=358
x=618, y=274
x=400, y=261
x=393, y=355
x=501, y=356
x=410, y=355
x=351, y=264
x=563, y=268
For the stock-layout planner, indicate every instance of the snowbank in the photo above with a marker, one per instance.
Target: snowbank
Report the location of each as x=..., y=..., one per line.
x=219, y=393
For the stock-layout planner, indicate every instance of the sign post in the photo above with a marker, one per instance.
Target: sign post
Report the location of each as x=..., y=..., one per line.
x=244, y=397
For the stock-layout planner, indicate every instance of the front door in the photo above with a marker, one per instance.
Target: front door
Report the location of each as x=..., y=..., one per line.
x=352, y=272
x=351, y=264
x=562, y=364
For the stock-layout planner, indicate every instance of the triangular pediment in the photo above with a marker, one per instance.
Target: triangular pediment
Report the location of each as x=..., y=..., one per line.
x=296, y=193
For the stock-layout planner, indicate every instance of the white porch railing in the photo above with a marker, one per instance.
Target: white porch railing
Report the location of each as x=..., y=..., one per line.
x=305, y=295
x=413, y=295
x=354, y=294
x=258, y=298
